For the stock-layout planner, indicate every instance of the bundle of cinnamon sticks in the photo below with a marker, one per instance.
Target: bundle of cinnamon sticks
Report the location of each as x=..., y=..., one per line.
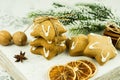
x=113, y=30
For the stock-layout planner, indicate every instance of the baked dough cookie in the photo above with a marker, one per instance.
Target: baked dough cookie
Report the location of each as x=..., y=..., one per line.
x=41, y=42
x=35, y=50
x=49, y=37
x=77, y=44
x=58, y=26
x=60, y=48
x=59, y=39
x=48, y=54
x=100, y=47
x=47, y=27
x=44, y=30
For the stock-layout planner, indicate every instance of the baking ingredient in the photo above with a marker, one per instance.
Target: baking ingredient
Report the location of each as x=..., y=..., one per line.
x=19, y=38
x=113, y=31
x=20, y=57
x=5, y=37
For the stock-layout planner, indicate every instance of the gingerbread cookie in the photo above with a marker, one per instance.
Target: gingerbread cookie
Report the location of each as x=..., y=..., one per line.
x=48, y=54
x=49, y=37
x=60, y=48
x=59, y=39
x=100, y=47
x=47, y=27
x=59, y=27
x=45, y=30
x=41, y=42
x=77, y=44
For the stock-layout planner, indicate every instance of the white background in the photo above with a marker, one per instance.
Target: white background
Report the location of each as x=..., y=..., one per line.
x=22, y=7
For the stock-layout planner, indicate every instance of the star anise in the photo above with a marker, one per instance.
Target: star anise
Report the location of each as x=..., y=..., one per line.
x=20, y=57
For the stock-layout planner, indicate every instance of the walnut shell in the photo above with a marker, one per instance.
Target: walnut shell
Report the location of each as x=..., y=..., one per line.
x=19, y=38
x=5, y=37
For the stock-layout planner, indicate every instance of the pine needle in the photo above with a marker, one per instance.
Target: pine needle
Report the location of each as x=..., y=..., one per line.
x=82, y=18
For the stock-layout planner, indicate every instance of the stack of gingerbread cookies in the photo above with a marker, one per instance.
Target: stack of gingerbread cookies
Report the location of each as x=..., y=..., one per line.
x=49, y=37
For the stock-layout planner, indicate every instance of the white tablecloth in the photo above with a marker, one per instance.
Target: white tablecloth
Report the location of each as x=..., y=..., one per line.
x=11, y=11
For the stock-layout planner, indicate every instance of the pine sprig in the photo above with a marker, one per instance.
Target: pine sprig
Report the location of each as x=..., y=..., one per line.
x=99, y=11
x=57, y=5
x=85, y=27
x=89, y=17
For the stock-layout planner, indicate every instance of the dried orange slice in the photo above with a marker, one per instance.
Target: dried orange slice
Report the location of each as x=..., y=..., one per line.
x=91, y=65
x=82, y=70
x=61, y=73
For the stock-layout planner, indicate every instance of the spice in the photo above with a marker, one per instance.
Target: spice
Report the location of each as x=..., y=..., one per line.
x=20, y=57
x=112, y=30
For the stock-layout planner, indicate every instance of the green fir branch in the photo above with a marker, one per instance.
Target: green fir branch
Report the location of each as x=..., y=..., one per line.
x=82, y=18
x=57, y=5
x=85, y=27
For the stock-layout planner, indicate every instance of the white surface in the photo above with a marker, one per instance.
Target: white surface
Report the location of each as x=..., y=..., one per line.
x=38, y=66
x=22, y=7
